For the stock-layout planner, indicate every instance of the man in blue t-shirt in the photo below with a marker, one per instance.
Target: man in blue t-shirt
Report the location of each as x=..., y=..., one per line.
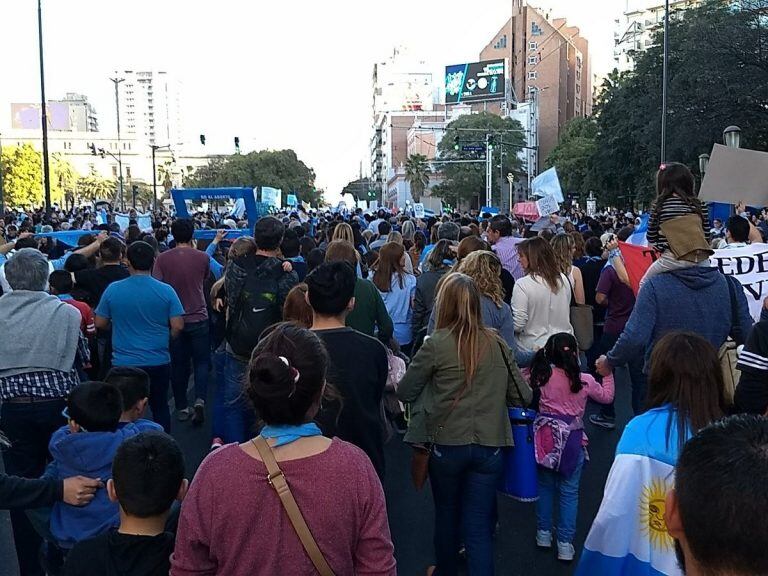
x=145, y=314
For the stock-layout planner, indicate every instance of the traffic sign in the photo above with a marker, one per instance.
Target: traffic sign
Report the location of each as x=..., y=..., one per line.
x=473, y=148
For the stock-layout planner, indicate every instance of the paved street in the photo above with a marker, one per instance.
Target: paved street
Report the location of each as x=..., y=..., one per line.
x=410, y=512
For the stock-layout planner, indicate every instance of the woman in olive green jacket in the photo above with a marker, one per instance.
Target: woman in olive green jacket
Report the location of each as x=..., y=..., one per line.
x=459, y=385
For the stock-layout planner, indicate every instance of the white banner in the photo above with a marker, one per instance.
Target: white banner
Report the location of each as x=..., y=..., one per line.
x=547, y=205
x=749, y=265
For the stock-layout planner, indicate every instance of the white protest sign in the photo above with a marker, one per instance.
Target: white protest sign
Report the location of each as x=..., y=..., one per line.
x=749, y=265
x=547, y=205
x=547, y=184
x=418, y=210
x=736, y=175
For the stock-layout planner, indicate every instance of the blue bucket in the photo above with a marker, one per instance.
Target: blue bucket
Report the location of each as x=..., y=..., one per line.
x=520, y=480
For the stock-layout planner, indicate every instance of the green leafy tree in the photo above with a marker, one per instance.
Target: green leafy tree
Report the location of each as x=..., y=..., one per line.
x=417, y=174
x=22, y=176
x=574, y=154
x=276, y=168
x=466, y=182
x=718, y=76
x=63, y=180
x=359, y=189
x=94, y=187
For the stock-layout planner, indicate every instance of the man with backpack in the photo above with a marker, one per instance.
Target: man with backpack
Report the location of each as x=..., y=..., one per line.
x=256, y=287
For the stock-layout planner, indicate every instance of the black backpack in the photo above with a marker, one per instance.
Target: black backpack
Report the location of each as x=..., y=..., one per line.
x=256, y=308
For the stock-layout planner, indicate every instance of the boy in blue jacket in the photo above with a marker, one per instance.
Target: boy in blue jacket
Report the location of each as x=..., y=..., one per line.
x=86, y=446
x=133, y=384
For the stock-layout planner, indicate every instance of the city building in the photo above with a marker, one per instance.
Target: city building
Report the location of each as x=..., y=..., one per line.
x=549, y=66
x=402, y=89
x=73, y=113
x=636, y=29
x=150, y=107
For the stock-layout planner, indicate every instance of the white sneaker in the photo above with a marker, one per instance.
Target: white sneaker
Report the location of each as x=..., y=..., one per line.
x=543, y=538
x=565, y=551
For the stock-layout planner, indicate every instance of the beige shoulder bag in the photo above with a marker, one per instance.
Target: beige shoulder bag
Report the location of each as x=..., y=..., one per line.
x=277, y=480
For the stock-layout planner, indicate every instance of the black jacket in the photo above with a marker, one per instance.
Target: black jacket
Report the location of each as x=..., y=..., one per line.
x=24, y=493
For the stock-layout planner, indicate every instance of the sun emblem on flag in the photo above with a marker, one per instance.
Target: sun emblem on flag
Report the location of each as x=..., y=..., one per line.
x=652, y=508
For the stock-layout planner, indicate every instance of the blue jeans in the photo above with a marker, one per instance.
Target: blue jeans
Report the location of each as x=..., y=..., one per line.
x=637, y=378
x=191, y=347
x=239, y=418
x=567, y=489
x=464, y=481
x=159, y=378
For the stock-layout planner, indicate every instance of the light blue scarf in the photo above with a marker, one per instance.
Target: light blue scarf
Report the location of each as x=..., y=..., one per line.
x=288, y=434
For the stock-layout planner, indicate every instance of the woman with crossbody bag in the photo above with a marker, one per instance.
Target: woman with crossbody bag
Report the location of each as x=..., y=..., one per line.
x=459, y=384
x=289, y=501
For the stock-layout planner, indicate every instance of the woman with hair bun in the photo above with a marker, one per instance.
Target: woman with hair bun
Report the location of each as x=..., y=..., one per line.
x=232, y=494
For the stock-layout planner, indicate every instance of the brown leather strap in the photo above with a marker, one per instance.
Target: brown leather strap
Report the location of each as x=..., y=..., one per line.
x=277, y=480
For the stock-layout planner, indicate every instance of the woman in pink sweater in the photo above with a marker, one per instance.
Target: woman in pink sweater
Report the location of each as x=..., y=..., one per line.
x=232, y=520
x=559, y=435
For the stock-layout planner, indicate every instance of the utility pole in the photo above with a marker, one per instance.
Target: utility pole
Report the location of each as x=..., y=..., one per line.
x=44, y=119
x=488, y=169
x=119, y=145
x=533, y=144
x=665, y=79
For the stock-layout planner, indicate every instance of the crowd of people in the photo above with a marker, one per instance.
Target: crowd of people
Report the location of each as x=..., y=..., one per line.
x=323, y=334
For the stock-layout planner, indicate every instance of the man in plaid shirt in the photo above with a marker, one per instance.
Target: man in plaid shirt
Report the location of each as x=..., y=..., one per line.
x=37, y=371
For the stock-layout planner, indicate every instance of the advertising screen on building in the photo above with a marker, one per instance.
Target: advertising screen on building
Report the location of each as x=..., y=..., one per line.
x=27, y=116
x=475, y=82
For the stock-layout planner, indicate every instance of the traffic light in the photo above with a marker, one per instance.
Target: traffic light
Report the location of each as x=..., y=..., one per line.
x=456, y=142
x=237, y=144
x=202, y=139
x=92, y=148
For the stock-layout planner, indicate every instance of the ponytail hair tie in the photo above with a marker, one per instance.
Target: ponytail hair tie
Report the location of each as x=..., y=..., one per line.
x=295, y=374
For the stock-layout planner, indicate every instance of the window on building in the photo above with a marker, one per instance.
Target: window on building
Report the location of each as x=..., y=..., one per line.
x=533, y=60
x=114, y=171
x=536, y=29
x=501, y=43
x=533, y=46
x=533, y=75
x=128, y=172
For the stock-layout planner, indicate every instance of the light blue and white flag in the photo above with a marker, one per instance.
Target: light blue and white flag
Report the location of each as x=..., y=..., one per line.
x=238, y=209
x=143, y=221
x=640, y=235
x=548, y=184
x=629, y=536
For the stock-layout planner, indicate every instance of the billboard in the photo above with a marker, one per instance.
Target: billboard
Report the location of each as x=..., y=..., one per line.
x=475, y=82
x=27, y=116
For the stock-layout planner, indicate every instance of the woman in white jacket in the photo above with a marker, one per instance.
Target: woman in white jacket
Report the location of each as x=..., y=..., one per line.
x=541, y=300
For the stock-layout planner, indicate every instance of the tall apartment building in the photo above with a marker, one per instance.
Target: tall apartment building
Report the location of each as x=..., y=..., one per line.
x=549, y=58
x=150, y=107
x=402, y=89
x=641, y=20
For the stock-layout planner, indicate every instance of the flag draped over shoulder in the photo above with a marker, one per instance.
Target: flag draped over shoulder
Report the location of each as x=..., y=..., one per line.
x=629, y=535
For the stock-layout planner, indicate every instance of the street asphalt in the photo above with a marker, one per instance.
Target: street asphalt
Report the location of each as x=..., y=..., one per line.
x=411, y=512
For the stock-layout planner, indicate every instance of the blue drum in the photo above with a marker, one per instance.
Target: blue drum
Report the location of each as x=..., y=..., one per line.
x=519, y=478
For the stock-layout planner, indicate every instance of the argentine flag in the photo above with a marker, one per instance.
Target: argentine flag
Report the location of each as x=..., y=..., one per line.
x=629, y=536
x=639, y=237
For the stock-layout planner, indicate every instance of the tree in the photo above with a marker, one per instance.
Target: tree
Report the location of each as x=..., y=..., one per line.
x=276, y=168
x=466, y=182
x=22, y=176
x=360, y=189
x=718, y=76
x=94, y=187
x=63, y=180
x=574, y=154
x=417, y=174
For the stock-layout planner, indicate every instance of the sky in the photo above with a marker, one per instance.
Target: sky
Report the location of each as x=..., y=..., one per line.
x=289, y=74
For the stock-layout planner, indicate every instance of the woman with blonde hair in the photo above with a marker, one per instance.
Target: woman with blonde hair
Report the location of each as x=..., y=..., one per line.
x=409, y=231
x=484, y=268
x=565, y=249
x=343, y=231
x=462, y=370
x=396, y=287
x=475, y=243
x=541, y=300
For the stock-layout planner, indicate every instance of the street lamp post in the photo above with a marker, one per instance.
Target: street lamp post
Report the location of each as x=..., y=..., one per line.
x=117, y=82
x=664, y=81
x=44, y=119
x=732, y=137
x=703, y=164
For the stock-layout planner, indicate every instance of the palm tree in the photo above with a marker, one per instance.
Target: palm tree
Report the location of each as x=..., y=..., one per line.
x=417, y=174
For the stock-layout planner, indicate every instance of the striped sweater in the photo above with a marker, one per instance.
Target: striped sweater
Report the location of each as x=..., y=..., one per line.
x=673, y=207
